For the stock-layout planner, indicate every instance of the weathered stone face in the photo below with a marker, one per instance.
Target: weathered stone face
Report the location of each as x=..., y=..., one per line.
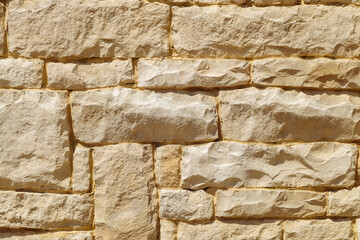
x=28, y=235
x=2, y=29
x=345, y=203
x=168, y=230
x=167, y=166
x=81, y=169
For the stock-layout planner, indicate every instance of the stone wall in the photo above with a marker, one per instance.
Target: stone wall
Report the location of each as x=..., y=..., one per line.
x=179, y=119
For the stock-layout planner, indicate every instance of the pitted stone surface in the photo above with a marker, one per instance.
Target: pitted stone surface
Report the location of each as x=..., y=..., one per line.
x=345, y=203
x=28, y=235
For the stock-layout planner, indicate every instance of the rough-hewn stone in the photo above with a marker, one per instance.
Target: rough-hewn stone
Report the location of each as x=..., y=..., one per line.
x=259, y=203
x=232, y=164
x=315, y=73
x=2, y=29
x=89, y=75
x=273, y=114
x=181, y=73
x=44, y=210
x=123, y=114
x=318, y=229
x=167, y=166
x=185, y=205
x=230, y=31
x=274, y=2
x=239, y=230
x=345, y=203
x=34, y=141
x=125, y=194
x=29, y=235
x=345, y=2
x=88, y=29
x=81, y=169
x=168, y=230
x=21, y=73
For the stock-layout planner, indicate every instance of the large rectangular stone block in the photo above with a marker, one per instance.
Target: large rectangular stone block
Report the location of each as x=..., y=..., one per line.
x=29, y=235
x=345, y=203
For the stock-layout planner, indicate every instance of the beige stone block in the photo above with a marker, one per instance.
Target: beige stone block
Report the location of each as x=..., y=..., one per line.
x=345, y=203
x=221, y=2
x=21, y=73
x=44, y=210
x=29, y=235
x=315, y=73
x=273, y=115
x=125, y=194
x=185, y=73
x=168, y=230
x=77, y=76
x=233, y=32
x=81, y=169
x=260, y=203
x=124, y=114
x=88, y=29
x=357, y=229
x=224, y=230
x=327, y=229
x=232, y=164
x=274, y=2
x=2, y=29
x=167, y=166
x=343, y=2
x=184, y=205
x=34, y=141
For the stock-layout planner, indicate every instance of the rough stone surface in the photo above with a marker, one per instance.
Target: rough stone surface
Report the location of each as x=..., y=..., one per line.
x=123, y=114
x=357, y=229
x=315, y=73
x=2, y=29
x=181, y=73
x=221, y=2
x=89, y=75
x=185, y=205
x=234, y=32
x=345, y=203
x=273, y=114
x=34, y=141
x=21, y=73
x=274, y=2
x=318, y=229
x=167, y=166
x=125, y=193
x=168, y=230
x=44, y=210
x=28, y=235
x=345, y=2
x=231, y=164
x=124, y=29
x=258, y=203
x=81, y=169
x=239, y=230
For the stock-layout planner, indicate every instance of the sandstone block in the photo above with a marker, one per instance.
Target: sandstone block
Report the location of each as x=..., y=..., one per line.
x=167, y=166
x=28, y=235
x=239, y=230
x=184, y=205
x=21, y=73
x=89, y=75
x=318, y=229
x=125, y=194
x=233, y=32
x=221, y=2
x=123, y=114
x=258, y=203
x=34, y=141
x=315, y=73
x=232, y=164
x=345, y=2
x=122, y=29
x=168, y=230
x=273, y=115
x=345, y=203
x=81, y=169
x=178, y=73
x=44, y=210
x=274, y=2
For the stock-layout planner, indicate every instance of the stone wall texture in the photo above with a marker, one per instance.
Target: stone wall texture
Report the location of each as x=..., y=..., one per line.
x=179, y=119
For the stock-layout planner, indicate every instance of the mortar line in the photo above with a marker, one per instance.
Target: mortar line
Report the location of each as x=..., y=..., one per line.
x=45, y=80
x=72, y=141
x=158, y=230
x=6, y=42
x=135, y=72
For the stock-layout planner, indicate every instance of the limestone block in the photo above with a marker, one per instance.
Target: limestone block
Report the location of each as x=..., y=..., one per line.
x=233, y=32
x=260, y=203
x=125, y=194
x=344, y=2
x=318, y=229
x=44, y=210
x=21, y=73
x=315, y=73
x=239, y=230
x=232, y=164
x=273, y=115
x=89, y=75
x=81, y=169
x=181, y=73
x=221, y=2
x=168, y=230
x=123, y=114
x=167, y=166
x=28, y=235
x=184, y=205
x=88, y=29
x=345, y=203
x=34, y=141
x=274, y=2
